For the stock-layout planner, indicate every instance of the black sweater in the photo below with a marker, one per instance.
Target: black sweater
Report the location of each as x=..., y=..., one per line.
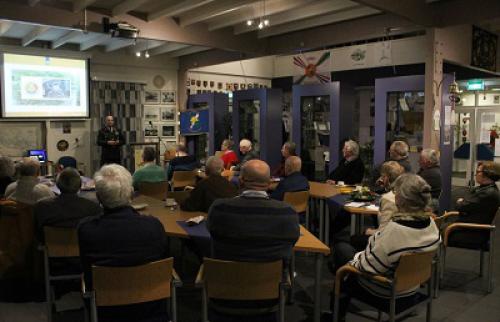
x=351, y=172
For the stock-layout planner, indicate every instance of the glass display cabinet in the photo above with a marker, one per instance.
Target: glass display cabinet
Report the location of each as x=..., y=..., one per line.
x=249, y=111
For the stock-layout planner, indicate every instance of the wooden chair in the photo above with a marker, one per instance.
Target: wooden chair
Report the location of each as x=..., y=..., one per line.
x=414, y=269
x=114, y=286
x=181, y=179
x=228, y=280
x=59, y=243
x=487, y=246
x=179, y=196
x=157, y=190
x=299, y=201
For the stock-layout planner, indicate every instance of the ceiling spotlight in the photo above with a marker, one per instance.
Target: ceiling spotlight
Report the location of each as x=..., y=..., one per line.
x=146, y=54
x=249, y=22
x=138, y=54
x=261, y=25
x=266, y=22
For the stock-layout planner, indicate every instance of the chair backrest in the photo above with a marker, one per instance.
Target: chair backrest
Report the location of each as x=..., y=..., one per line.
x=133, y=284
x=413, y=269
x=181, y=179
x=242, y=280
x=157, y=190
x=298, y=200
x=179, y=196
x=218, y=154
x=61, y=242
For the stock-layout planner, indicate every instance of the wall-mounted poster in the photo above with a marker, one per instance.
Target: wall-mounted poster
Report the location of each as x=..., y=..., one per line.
x=168, y=97
x=484, y=49
x=168, y=130
x=311, y=68
x=151, y=97
x=168, y=113
x=151, y=113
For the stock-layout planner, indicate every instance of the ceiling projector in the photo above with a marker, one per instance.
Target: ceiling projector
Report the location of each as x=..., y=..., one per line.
x=120, y=29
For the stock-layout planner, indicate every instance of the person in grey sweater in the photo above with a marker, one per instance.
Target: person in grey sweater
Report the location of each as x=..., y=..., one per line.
x=28, y=189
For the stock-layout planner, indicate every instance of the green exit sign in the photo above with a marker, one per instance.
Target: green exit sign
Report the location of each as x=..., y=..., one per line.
x=475, y=85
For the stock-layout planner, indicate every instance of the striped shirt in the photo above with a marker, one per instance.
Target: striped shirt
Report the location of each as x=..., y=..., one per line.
x=385, y=248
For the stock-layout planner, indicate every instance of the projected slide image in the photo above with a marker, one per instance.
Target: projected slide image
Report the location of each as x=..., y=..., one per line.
x=44, y=88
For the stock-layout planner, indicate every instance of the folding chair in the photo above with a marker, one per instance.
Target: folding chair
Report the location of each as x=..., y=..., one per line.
x=181, y=179
x=59, y=243
x=299, y=201
x=413, y=270
x=157, y=190
x=228, y=280
x=115, y=286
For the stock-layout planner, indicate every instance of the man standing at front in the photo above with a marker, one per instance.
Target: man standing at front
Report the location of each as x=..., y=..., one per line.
x=110, y=139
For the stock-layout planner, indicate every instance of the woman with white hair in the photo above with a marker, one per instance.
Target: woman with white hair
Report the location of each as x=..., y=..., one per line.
x=410, y=230
x=121, y=237
x=350, y=169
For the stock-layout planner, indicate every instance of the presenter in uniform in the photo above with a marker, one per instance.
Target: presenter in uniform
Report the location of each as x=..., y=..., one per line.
x=110, y=139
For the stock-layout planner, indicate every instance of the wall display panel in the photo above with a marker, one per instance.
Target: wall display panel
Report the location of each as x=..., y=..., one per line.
x=44, y=86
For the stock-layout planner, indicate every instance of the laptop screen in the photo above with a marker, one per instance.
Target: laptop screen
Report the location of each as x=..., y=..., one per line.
x=40, y=155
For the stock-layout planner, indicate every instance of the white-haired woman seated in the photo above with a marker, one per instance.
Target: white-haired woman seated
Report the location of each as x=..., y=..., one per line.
x=410, y=230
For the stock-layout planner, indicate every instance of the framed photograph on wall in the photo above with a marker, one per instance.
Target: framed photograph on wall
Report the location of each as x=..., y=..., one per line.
x=168, y=97
x=151, y=97
x=150, y=130
x=168, y=113
x=151, y=113
x=168, y=130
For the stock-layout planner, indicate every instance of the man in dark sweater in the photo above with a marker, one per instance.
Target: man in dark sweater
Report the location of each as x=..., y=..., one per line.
x=121, y=237
x=110, y=139
x=399, y=151
x=210, y=189
x=350, y=169
x=67, y=209
x=293, y=181
x=247, y=154
x=430, y=171
x=252, y=227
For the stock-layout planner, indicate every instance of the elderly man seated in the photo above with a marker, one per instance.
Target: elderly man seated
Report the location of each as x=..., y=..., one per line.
x=27, y=189
x=150, y=171
x=247, y=154
x=287, y=150
x=67, y=209
x=252, y=228
x=399, y=152
x=410, y=230
x=431, y=173
x=211, y=188
x=350, y=169
x=293, y=181
x=182, y=161
x=121, y=237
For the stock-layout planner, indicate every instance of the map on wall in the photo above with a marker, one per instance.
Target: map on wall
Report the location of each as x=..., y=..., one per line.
x=16, y=138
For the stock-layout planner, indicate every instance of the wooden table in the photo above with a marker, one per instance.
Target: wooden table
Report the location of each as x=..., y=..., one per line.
x=357, y=218
x=319, y=192
x=307, y=242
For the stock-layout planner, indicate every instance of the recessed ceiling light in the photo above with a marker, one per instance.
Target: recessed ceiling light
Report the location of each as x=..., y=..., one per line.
x=249, y=22
x=146, y=54
x=138, y=54
x=266, y=22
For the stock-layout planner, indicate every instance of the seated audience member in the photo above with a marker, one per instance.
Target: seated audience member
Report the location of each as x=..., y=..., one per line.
x=287, y=151
x=293, y=181
x=252, y=228
x=210, y=189
x=228, y=156
x=150, y=171
x=350, y=169
x=181, y=162
x=247, y=152
x=27, y=189
x=67, y=209
x=399, y=152
x=431, y=173
x=410, y=230
x=7, y=171
x=121, y=237
x=479, y=205
x=66, y=162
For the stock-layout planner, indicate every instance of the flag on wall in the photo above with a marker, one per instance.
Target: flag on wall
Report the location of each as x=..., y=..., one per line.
x=312, y=67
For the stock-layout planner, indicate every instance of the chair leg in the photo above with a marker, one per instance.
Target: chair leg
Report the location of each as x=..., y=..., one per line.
x=443, y=262
x=379, y=316
x=173, y=304
x=204, y=303
x=430, y=288
x=93, y=309
x=336, y=309
x=490, y=261
x=481, y=263
x=282, y=305
x=292, y=279
x=307, y=217
x=392, y=308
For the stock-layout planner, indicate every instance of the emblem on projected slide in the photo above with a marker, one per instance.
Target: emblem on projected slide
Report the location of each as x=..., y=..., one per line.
x=314, y=68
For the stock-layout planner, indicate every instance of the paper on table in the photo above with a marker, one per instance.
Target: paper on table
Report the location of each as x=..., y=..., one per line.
x=372, y=207
x=355, y=204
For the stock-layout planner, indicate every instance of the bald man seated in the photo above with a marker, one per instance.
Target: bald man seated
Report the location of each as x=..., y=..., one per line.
x=213, y=187
x=293, y=181
x=252, y=228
